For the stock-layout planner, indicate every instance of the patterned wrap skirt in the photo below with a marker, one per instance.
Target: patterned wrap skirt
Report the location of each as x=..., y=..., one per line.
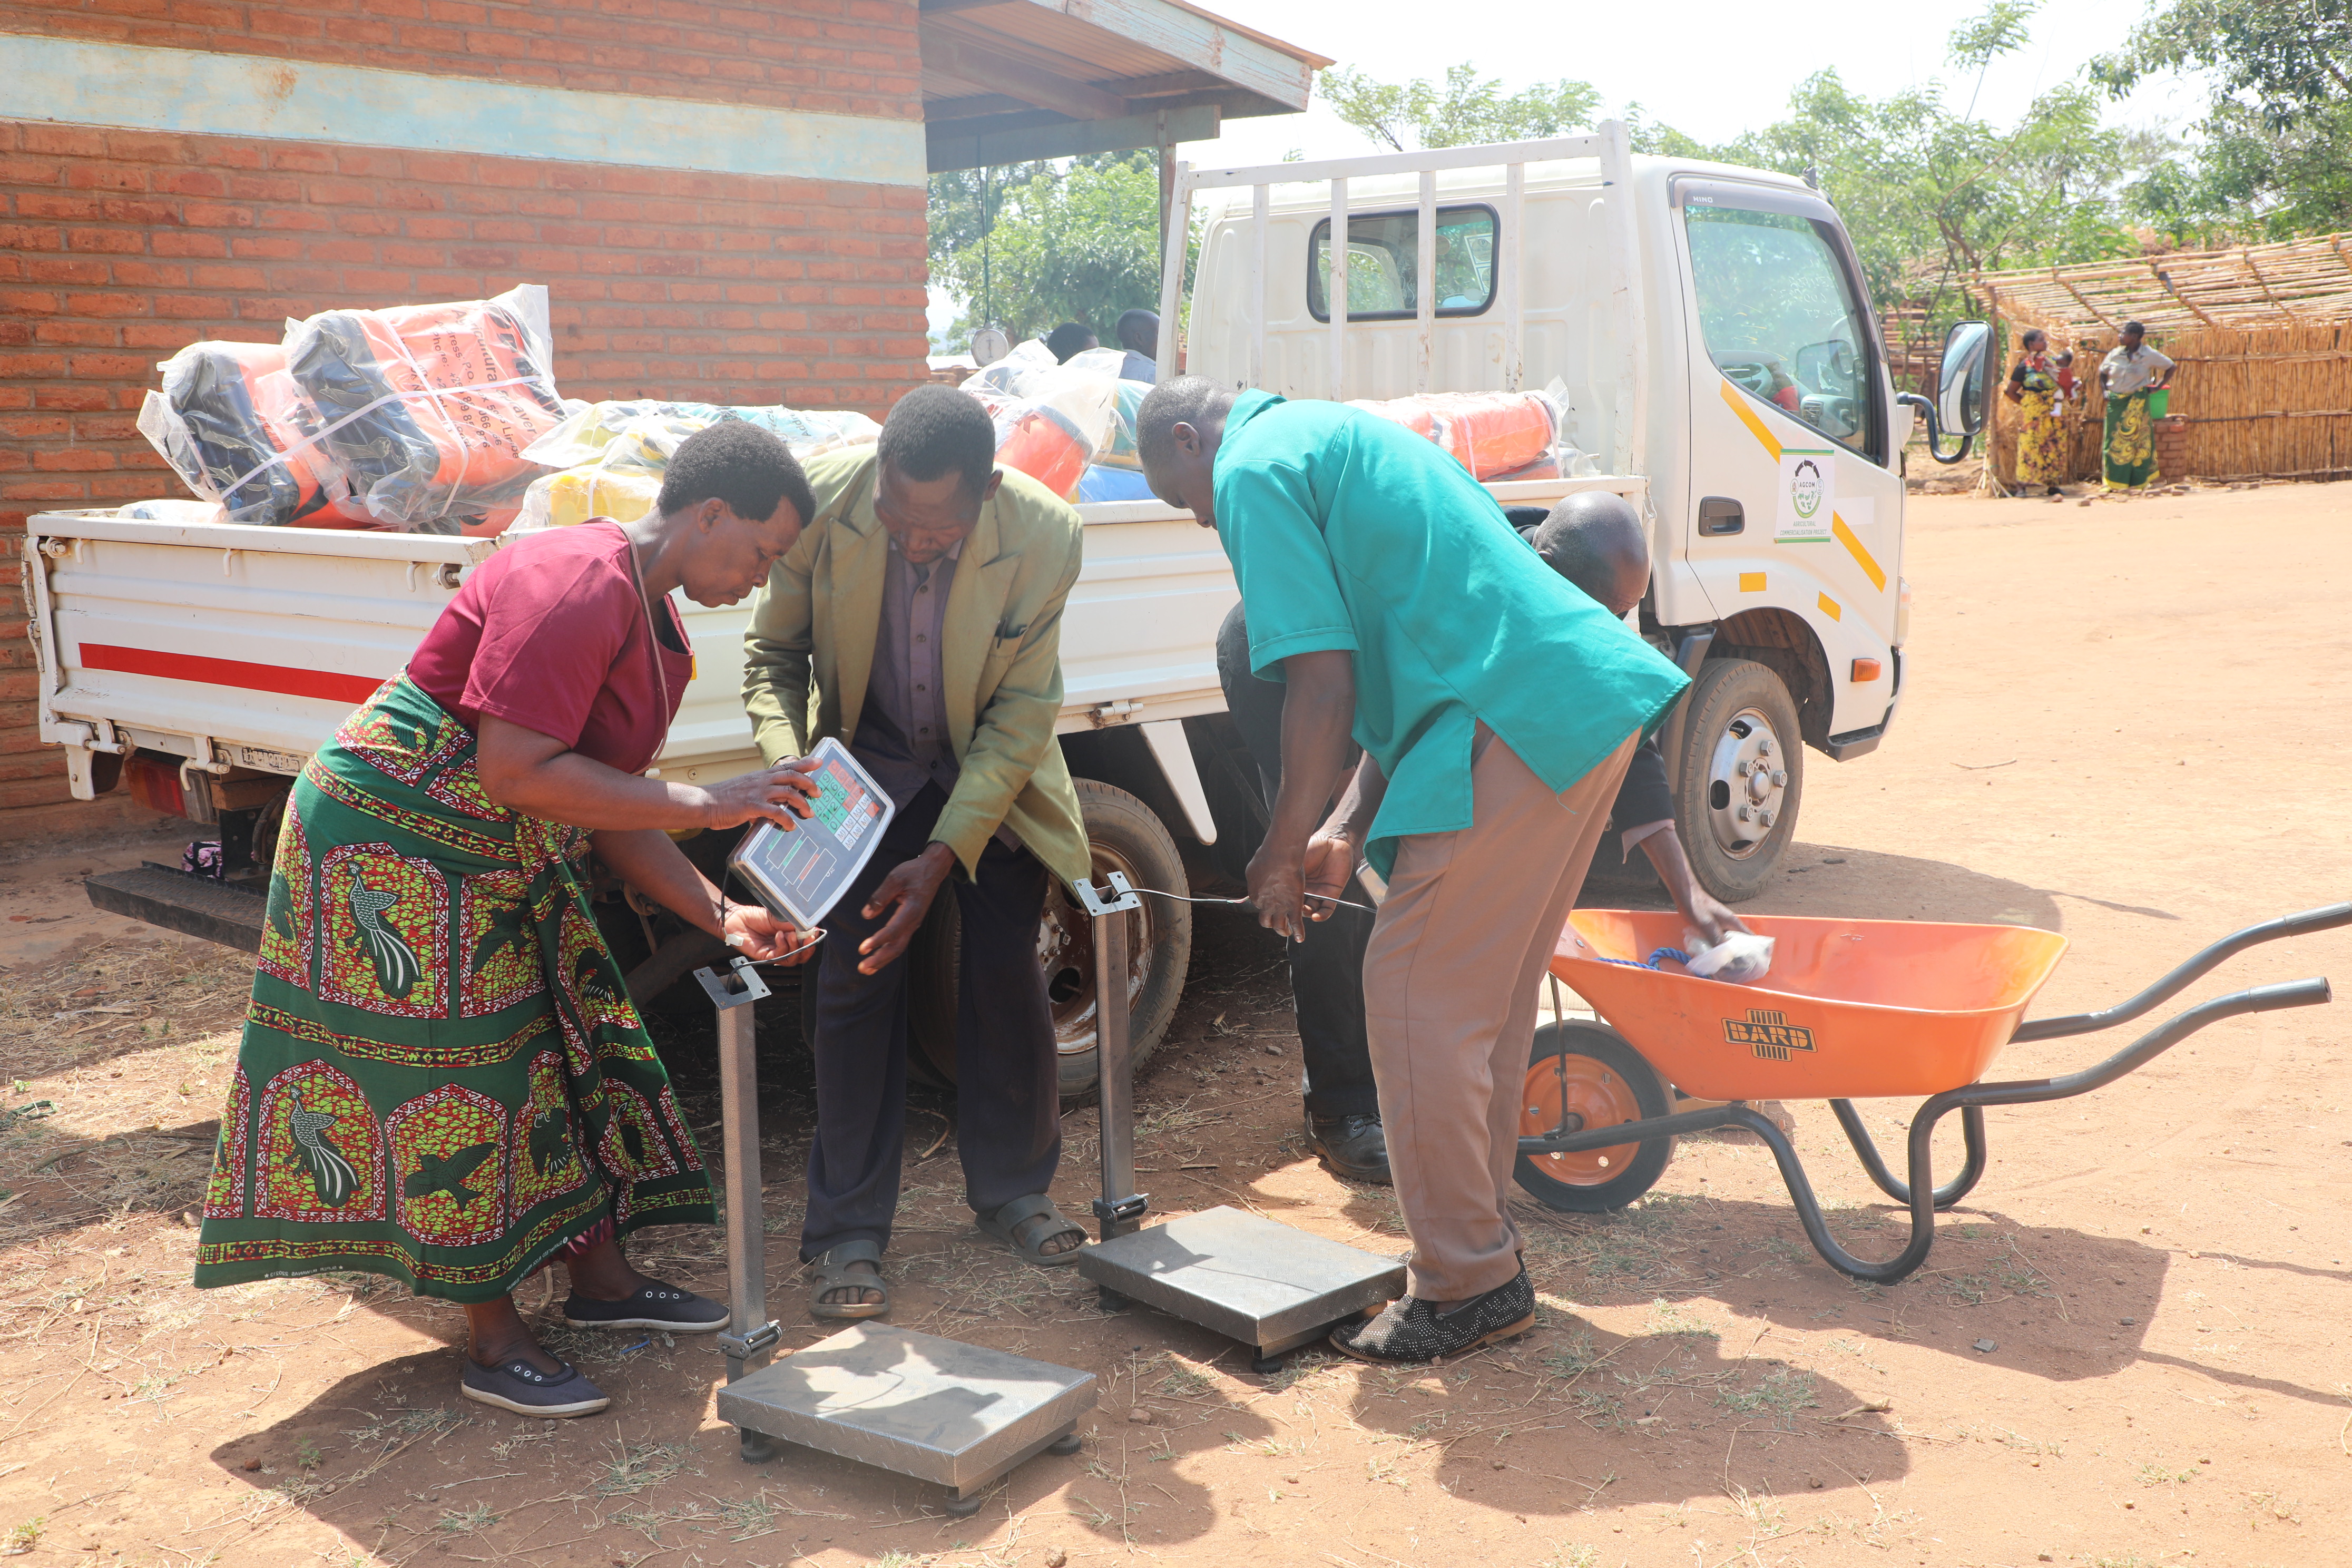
x=2130, y=444
x=442, y=1077
x=2042, y=441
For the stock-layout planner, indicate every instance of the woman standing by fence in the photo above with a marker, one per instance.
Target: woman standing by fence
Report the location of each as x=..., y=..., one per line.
x=2040, y=434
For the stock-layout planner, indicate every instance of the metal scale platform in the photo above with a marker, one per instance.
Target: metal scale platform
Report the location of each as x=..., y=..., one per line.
x=1250, y=1278
x=957, y=1414
x=961, y=1415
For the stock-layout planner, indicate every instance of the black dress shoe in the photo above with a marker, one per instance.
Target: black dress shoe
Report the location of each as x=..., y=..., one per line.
x=1352, y=1146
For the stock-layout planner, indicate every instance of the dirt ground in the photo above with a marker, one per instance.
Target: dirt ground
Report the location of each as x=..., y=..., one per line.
x=2126, y=1347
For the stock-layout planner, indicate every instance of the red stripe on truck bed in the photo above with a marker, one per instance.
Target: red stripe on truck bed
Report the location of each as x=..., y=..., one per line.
x=319, y=683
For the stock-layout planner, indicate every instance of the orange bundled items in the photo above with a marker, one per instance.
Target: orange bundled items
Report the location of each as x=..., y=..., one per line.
x=232, y=425
x=426, y=409
x=1054, y=426
x=1492, y=434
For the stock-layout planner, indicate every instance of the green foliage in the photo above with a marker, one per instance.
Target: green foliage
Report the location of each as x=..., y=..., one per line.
x=2270, y=163
x=1466, y=111
x=1925, y=190
x=1048, y=245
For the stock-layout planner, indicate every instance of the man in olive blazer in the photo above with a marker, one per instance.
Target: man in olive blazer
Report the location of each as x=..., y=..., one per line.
x=919, y=621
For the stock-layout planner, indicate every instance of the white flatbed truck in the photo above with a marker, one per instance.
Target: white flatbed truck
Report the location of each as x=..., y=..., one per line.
x=1721, y=368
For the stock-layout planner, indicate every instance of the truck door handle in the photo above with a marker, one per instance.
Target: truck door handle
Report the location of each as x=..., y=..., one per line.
x=1721, y=515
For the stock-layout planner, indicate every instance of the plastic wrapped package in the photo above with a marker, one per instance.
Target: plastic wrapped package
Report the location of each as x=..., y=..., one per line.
x=1054, y=432
x=427, y=409
x=1015, y=373
x=575, y=495
x=615, y=454
x=1488, y=433
x=1120, y=452
x=232, y=424
x=584, y=434
x=1100, y=483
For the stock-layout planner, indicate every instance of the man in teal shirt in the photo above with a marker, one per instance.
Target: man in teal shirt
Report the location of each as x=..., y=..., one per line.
x=1496, y=707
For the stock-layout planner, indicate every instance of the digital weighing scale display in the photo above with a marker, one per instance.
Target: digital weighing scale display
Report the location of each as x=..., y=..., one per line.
x=802, y=873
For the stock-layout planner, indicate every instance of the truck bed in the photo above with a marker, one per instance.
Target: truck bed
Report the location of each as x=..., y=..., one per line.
x=247, y=646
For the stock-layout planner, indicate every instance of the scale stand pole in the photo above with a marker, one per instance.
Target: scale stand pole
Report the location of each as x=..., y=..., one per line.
x=1120, y=1209
x=750, y=1332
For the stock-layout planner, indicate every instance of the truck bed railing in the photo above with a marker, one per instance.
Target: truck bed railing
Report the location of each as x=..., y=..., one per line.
x=1608, y=145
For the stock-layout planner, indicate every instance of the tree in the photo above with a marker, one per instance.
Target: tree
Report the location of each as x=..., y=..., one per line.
x=1466, y=111
x=1931, y=195
x=1055, y=245
x=2270, y=161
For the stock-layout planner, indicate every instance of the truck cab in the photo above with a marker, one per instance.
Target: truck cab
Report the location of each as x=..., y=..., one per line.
x=1707, y=334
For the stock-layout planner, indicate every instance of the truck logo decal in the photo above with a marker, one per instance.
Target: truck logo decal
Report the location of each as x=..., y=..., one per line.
x=1805, y=489
x=1808, y=496
x=1769, y=1034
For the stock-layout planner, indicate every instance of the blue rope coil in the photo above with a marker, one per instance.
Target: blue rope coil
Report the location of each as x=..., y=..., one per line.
x=1677, y=954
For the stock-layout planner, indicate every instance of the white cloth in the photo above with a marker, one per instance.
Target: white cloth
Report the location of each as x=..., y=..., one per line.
x=2128, y=372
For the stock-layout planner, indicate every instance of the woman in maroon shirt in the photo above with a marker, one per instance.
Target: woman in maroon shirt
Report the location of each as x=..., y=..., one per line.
x=442, y=1077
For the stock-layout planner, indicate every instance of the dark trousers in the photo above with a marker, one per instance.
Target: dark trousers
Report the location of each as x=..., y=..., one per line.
x=1326, y=969
x=1008, y=1096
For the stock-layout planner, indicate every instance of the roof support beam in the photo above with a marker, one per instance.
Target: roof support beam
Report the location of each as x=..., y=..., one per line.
x=1016, y=78
x=972, y=144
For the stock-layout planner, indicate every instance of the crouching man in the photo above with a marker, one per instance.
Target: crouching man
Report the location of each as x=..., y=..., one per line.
x=922, y=612
x=1497, y=708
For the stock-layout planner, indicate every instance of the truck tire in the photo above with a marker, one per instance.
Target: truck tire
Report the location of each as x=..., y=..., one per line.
x=1741, y=778
x=1125, y=836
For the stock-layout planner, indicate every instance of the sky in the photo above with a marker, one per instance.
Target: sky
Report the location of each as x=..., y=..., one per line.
x=1711, y=69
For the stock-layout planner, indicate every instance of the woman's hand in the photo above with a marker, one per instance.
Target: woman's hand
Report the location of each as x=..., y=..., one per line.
x=759, y=935
x=776, y=794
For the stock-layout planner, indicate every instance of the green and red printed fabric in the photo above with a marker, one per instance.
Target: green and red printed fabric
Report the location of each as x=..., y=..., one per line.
x=442, y=1077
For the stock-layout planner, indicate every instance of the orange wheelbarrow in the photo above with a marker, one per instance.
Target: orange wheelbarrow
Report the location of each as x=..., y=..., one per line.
x=1851, y=1010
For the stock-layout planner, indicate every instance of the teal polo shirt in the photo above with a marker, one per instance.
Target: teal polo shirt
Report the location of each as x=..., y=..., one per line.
x=1348, y=532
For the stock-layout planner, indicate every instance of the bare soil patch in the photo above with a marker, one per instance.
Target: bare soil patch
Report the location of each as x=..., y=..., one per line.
x=2120, y=722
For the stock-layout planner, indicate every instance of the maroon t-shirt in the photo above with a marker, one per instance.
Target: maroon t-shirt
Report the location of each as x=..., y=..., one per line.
x=549, y=633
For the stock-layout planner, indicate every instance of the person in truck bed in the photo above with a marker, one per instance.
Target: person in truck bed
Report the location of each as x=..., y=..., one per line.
x=443, y=1078
x=1496, y=707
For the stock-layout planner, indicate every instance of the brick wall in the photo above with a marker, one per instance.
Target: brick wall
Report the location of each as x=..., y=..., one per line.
x=118, y=247
x=834, y=57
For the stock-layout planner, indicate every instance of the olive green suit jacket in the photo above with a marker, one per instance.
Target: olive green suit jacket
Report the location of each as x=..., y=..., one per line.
x=810, y=653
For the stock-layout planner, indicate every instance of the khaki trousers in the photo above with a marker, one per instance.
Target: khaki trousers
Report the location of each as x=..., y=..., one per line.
x=1451, y=978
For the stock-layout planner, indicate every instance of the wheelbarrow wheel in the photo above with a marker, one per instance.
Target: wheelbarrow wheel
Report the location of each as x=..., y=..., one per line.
x=1604, y=1082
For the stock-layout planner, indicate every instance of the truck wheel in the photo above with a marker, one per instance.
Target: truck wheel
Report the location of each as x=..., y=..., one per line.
x=1603, y=1082
x=1742, y=775
x=1125, y=836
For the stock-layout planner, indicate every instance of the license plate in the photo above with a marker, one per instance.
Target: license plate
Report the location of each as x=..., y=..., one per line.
x=268, y=761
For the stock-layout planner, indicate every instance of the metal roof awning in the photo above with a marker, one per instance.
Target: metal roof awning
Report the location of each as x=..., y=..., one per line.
x=1008, y=81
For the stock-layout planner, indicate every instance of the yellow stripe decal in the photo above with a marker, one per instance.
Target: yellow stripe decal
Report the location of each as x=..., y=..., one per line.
x=1731, y=394
x=1751, y=582
x=1844, y=535
x=1830, y=607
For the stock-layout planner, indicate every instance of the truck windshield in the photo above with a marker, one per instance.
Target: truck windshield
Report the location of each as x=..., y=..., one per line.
x=1384, y=255
x=1779, y=317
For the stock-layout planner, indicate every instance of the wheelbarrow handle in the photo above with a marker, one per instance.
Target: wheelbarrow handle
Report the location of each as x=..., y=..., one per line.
x=2307, y=923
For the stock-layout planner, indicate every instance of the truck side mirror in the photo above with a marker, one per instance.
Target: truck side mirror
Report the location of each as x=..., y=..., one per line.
x=1960, y=389
x=1960, y=404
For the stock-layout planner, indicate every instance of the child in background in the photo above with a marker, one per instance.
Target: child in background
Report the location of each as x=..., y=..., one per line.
x=2063, y=365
